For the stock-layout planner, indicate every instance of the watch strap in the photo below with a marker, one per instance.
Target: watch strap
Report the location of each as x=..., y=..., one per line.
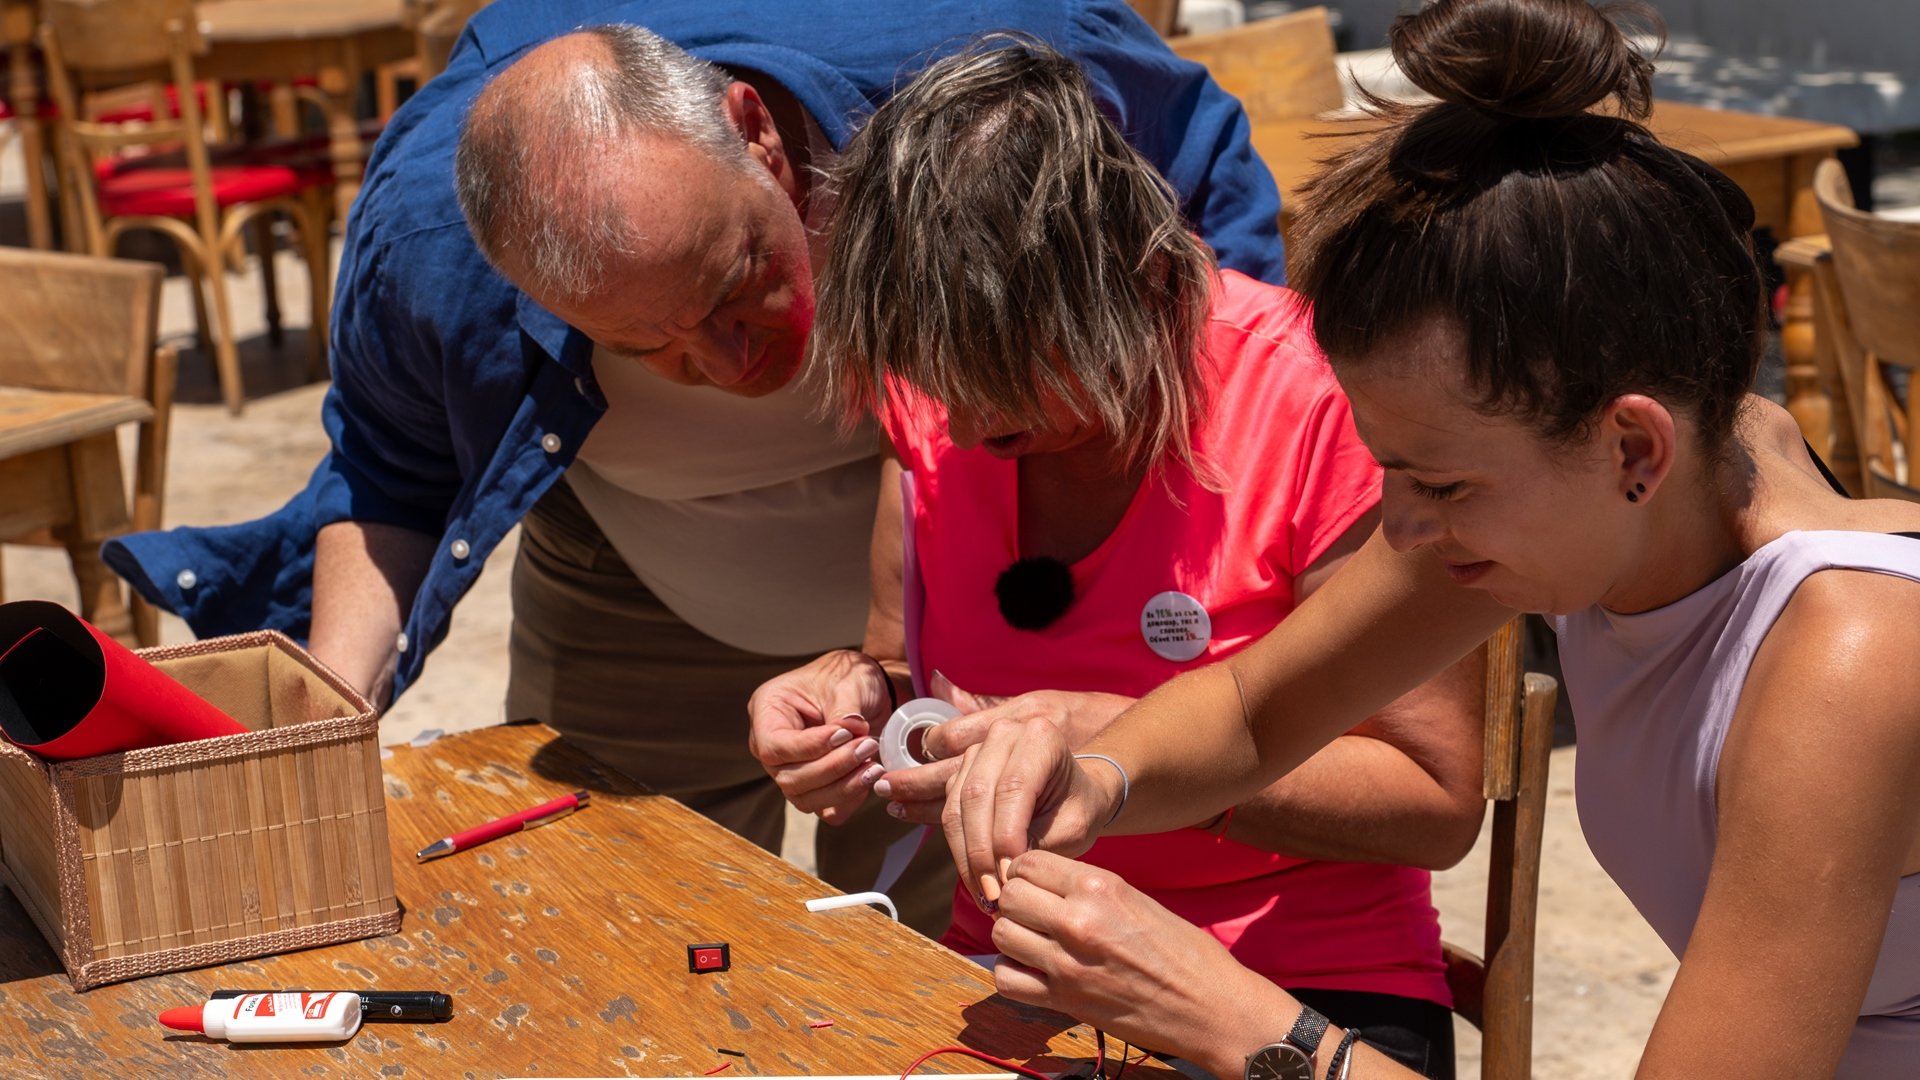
x=1307, y=1031
x=1340, y=1062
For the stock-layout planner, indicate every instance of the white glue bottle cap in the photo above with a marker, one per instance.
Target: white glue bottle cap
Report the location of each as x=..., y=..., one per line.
x=277, y=1018
x=907, y=726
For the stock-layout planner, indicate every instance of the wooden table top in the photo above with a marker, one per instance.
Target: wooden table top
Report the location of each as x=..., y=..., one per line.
x=564, y=949
x=234, y=21
x=33, y=420
x=1722, y=138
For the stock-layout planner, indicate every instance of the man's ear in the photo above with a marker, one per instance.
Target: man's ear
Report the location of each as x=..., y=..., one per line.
x=754, y=123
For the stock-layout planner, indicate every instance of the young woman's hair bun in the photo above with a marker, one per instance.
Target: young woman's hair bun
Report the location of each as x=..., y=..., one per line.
x=1531, y=59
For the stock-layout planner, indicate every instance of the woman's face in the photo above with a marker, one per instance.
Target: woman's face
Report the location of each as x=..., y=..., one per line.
x=1540, y=527
x=1060, y=430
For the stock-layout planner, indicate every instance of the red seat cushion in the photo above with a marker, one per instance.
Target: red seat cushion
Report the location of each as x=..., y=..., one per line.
x=43, y=109
x=131, y=189
x=142, y=111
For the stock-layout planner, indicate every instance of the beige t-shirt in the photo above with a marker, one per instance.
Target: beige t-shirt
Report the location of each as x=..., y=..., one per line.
x=748, y=517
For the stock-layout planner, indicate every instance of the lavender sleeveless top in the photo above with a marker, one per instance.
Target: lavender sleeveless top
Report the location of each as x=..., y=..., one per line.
x=1653, y=694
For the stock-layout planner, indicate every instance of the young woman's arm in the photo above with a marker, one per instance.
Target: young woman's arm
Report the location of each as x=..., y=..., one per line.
x=1213, y=738
x=1818, y=818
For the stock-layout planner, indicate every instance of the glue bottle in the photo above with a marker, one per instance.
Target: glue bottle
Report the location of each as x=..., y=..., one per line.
x=280, y=1018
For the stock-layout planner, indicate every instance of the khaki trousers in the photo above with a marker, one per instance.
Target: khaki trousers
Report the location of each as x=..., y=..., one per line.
x=599, y=658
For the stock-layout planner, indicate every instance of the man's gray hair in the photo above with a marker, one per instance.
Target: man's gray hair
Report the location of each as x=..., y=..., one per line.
x=540, y=159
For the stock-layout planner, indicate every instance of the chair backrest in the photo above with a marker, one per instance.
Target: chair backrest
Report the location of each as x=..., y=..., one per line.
x=118, y=35
x=1162, y=15
x=1874, y=321
x=90, y=44
x=78, y=323
x=1280, y=69
x=1493, y=991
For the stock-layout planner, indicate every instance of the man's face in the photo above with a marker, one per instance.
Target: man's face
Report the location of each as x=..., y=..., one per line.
x=720, y=292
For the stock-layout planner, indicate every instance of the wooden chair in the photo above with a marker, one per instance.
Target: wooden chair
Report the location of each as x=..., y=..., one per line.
x=83, y=324
x=436, y=28
x=1867, y=304
x=1280, y=69
x=1493, y=991
x=25, y=115
x=1162, y=15
x=203, y=202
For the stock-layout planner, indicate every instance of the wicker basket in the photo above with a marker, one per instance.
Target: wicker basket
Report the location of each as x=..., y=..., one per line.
x=207, y=852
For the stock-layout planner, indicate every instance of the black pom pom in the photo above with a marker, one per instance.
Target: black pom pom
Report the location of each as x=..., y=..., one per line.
x=1034, y=593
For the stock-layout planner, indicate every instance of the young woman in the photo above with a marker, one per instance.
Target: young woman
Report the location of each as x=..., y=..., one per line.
x=1123, y=465
x=1547, y=323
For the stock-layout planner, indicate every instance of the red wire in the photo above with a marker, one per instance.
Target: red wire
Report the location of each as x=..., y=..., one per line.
x=978, y=1056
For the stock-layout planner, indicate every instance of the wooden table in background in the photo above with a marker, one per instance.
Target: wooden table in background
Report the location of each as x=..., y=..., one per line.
x=1771, y=158
x=60, y=470
x=565, y=950
x=336, y=40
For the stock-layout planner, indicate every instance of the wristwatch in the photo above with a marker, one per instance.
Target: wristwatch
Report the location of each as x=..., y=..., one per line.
x=1292, y=1057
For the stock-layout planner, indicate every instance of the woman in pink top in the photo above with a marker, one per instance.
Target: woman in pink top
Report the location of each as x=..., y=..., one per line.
x=1120, y=466
x=1547, y=323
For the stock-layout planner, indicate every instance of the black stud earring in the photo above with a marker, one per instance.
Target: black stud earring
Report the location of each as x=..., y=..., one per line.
x=1633, y=496
x=1641, y=488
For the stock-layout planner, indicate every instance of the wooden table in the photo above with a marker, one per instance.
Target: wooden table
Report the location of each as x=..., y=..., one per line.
x=60, y=470
x=336, y=40
x=1771, y=158
x=565, y=950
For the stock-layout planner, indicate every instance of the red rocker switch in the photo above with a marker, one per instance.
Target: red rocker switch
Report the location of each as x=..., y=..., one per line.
x=704, y=958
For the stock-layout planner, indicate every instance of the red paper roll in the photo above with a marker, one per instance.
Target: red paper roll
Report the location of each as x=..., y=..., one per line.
x=69, y=691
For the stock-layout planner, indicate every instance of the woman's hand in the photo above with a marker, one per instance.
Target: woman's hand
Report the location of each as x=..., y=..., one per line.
x=1020, y=788
x=1079, y=939
x=809, y=730
x=920, y=794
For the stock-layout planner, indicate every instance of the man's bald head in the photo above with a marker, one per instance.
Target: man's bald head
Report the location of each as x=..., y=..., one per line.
x=549, y=142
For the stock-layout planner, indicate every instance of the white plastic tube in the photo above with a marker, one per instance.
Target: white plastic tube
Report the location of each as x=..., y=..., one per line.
x=859, y=899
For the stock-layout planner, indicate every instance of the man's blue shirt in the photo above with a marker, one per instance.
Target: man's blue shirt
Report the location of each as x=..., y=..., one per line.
x=457, y=401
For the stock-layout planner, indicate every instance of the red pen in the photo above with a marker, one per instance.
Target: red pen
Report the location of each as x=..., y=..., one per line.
x=531, y=818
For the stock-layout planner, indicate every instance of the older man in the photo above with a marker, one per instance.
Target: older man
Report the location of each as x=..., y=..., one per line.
x=629, y=309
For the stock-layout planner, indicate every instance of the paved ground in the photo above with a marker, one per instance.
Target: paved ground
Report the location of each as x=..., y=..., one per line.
x=1601, y=974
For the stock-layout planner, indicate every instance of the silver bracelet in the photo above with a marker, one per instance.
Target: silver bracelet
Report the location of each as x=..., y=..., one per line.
x=1126, y=785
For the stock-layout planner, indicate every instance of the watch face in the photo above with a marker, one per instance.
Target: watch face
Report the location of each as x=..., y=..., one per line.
x=1281, y=1061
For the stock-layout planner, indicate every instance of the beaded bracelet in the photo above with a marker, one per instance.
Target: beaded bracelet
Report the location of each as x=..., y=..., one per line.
x=1342, y=1062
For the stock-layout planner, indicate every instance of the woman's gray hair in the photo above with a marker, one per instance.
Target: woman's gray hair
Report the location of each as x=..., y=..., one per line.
x=540, y=160
x=997, y=242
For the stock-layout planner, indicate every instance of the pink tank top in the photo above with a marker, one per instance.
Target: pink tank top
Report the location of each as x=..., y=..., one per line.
x=1297, y=478
x=1654, y=693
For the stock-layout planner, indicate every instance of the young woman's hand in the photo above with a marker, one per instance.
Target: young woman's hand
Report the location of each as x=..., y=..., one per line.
x=1021, y=788
x=810, y=732
x=1078, y=939
x=920, y=794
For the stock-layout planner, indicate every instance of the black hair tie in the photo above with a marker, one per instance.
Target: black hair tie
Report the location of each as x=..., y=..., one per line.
x=1034, y=593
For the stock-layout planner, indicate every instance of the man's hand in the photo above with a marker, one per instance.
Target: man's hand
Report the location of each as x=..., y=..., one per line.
x=920, y=794
x=809, y=730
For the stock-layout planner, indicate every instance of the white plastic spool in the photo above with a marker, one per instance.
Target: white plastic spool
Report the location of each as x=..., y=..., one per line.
x=915, y=717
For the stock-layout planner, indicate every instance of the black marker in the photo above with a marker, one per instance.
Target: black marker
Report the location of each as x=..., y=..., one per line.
x=397, y=1006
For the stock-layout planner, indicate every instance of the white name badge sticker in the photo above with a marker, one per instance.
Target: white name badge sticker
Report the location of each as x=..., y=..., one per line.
x=1176, y=626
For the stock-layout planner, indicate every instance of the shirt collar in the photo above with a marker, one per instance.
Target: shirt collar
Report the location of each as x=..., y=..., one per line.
x=569, y=347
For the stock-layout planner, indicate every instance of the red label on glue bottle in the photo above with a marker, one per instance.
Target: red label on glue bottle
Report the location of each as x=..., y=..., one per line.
x=320, y=1017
